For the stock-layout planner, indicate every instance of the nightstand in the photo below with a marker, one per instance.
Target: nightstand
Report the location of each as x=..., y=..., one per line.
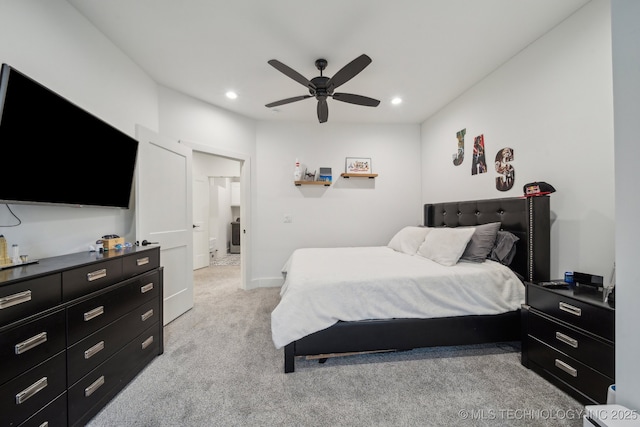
x=568, y=339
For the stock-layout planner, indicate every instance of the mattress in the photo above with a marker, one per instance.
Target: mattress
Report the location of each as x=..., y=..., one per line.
x=325, y=285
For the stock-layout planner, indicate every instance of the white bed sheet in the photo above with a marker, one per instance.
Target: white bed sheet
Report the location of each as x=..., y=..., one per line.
x=326, y=285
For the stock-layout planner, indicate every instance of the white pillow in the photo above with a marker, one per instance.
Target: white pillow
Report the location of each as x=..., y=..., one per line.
x=445, y=245
x=408, y=239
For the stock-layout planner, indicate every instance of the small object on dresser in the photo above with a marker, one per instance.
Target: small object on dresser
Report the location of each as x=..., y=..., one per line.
x=555, y=284
x=15, y=253
x=113, y=243
x=585, y=282
x=4, y=258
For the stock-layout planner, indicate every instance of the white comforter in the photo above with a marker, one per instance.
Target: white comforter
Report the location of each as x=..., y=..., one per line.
x=325, y=285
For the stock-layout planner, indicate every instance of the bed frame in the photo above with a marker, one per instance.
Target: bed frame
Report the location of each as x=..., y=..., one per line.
x=527, y=218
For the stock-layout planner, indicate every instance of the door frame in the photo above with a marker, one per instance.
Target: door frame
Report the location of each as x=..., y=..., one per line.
x=245, y=203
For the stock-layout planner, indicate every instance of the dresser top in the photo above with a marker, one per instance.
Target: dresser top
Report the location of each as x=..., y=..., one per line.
x=64, y=262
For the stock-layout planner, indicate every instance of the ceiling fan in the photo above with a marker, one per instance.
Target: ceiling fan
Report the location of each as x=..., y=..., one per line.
x=322, y=87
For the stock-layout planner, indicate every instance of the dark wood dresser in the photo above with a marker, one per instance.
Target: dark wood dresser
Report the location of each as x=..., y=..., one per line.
x=568, y=338
x=74, y=331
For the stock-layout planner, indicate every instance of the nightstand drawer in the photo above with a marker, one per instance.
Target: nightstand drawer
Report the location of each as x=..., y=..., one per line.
x=589, y=317
x=29, y=344
x=577, y=375
x=585, y=348
x=29, y=297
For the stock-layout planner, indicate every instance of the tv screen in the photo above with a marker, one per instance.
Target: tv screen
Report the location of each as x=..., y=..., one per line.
x=54, y=152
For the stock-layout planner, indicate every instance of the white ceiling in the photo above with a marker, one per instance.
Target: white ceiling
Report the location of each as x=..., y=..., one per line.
x=426, y=51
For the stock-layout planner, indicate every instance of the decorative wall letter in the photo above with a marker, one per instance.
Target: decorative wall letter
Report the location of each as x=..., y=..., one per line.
x=479, y=163
x=459, y=156
x=507, y=172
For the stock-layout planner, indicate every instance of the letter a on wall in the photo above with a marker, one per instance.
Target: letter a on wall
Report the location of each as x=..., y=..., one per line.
x=459, y=156
x=507, y=173
x=478, y=163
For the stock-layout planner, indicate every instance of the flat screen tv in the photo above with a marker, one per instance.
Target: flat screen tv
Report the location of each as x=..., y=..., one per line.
x=54, y=152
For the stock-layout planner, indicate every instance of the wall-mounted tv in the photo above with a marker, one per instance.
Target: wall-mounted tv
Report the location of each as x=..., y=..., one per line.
x=54, y=152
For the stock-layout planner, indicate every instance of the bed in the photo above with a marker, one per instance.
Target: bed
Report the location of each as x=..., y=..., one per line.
x=298, y=326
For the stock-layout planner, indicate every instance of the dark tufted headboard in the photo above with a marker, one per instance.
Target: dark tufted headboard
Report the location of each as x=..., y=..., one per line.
x=527, y=218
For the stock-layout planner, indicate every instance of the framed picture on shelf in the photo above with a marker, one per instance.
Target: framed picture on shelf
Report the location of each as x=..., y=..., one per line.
x=358, y=165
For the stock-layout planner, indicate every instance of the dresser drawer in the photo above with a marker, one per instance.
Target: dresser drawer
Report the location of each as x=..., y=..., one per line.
x=568, y=370
x=112, y=375
x=88, y=316
x=26, y=394
x=31, y=343
x=84, y=280
x=141, y=262
x=52, y=415
x=87, y=354
x=28, y=297
x=582, y=347
x=597, y=320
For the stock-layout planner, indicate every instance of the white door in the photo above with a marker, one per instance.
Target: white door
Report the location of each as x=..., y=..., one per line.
x=164, y=214
x=200, y=222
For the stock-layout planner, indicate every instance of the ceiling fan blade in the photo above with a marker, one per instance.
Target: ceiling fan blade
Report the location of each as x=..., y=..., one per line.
x=290, y=72
x=347, y=72
x=288, y=100
x=356, y=99
x=323, y=110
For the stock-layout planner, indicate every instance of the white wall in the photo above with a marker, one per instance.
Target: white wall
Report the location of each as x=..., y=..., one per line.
x=351, y=212
x=50, y=42
x=626, y=94
x=552, y=103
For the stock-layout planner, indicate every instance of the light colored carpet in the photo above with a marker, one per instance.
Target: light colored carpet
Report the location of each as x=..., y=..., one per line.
x=220, y=368
x=228, y=259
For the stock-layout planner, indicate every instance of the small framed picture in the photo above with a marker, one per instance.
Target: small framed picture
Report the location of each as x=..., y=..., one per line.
x=358, y=165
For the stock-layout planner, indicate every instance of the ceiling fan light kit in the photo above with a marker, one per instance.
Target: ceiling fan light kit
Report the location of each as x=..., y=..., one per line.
x=322, y=87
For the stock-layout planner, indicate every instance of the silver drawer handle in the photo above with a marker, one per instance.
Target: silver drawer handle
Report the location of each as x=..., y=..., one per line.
x=142, y=261
x=94, y=386
x=567, y=339
x=567, y=368
x=15, y=299
x=98, y=274
x=146, y=315
x=146, y=288
x=44, y=424
x=146, y=343
x=91, y=314
x=570, y=309
x=34, y=341
x=94, y=350
x=31, y=390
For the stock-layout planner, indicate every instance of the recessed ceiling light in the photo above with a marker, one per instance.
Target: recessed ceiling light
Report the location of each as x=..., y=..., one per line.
x=396, y=101
x=231, y=95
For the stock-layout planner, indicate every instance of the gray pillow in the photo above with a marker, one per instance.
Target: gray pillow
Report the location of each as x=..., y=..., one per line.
x=481, y=243
x=505, y=247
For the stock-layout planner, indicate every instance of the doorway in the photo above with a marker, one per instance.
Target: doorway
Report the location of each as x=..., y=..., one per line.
x=223, y=171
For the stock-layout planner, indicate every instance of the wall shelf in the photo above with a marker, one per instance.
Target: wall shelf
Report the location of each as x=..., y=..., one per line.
x=359, y=175
x=325, y=183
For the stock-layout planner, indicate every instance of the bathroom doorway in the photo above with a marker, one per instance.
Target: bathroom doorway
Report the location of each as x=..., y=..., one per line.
x=228, y=175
